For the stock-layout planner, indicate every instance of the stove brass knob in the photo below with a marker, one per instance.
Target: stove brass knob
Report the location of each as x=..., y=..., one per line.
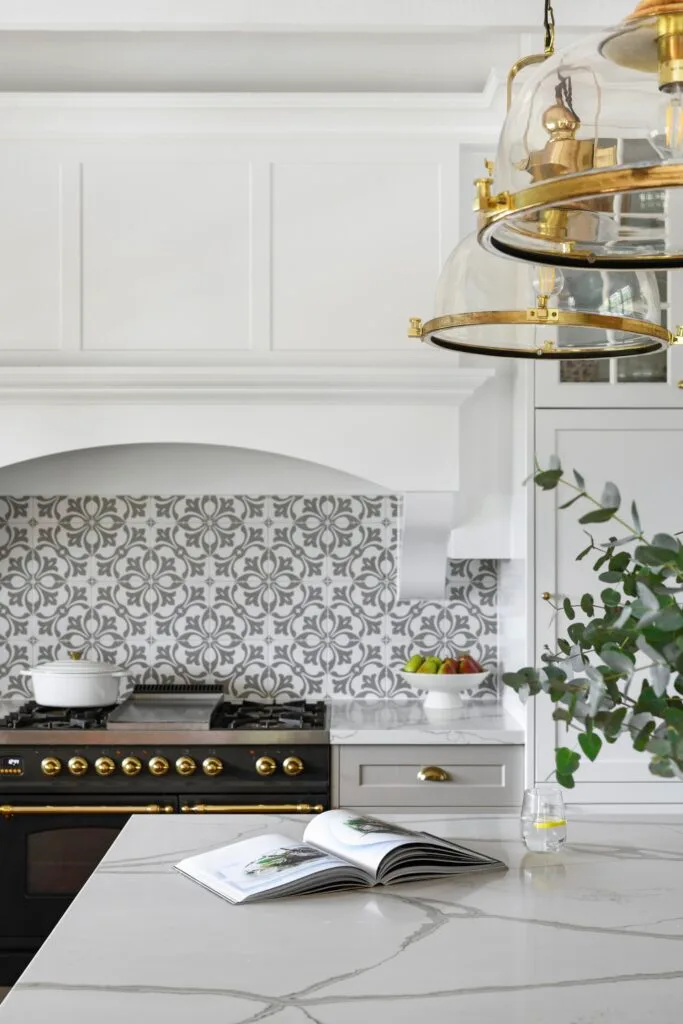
x=266, y=766
x=157, y=765
x=77, y=765
x=185, y=766
x=292, y=766
x=212, y=766
x=50, y=766
x=105, y=766
x=131, y=766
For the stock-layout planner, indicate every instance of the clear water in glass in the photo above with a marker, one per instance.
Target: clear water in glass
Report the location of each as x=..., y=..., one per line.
x=543, y=819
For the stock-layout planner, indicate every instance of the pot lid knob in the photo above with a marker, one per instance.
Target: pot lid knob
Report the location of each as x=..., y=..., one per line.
x=75, y=655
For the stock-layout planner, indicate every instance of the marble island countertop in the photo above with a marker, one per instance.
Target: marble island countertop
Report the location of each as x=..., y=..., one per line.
x=590, y=936
x=407, y=721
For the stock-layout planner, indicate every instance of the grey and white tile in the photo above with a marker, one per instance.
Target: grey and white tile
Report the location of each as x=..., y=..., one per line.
x=273, y=596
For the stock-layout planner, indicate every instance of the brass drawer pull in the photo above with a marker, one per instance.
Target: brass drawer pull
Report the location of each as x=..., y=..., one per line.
x=252, y=808
x=6, y=810
x=432, y=774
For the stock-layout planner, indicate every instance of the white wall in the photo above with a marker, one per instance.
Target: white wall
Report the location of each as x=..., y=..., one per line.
x=176, y=469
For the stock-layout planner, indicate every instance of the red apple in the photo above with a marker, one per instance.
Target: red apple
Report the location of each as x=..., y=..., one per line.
x=468, y=666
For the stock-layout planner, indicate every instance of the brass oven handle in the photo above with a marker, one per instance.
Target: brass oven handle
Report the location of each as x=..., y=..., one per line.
x=432, y=774
x=251, y=808
x=6, y=810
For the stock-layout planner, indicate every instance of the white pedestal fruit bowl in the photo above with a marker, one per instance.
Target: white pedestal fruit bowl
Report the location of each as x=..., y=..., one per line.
x=443, y=691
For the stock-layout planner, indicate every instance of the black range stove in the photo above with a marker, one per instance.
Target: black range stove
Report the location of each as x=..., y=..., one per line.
x=71, y=777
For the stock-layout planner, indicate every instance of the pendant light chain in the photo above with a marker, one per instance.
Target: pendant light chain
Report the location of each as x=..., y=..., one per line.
x=549, y=25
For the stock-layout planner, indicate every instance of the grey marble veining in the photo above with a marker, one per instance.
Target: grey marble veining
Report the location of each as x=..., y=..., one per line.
x=593, y=935
x=408, y=721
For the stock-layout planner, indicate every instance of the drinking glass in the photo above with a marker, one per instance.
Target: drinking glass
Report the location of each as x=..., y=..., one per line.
x=543, y=821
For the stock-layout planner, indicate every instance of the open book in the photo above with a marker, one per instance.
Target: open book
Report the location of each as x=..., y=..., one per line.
x=340, y=850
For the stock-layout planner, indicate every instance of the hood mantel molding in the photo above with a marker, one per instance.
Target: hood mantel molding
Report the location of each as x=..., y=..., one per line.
x=243, y=385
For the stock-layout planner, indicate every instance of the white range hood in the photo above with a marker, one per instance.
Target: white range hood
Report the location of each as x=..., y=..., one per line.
x=399, y=430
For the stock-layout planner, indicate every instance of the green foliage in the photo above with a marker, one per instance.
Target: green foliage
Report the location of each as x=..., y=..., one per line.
x=619, y=671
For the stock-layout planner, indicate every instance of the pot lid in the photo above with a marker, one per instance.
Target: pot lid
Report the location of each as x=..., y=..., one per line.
x=73, y=665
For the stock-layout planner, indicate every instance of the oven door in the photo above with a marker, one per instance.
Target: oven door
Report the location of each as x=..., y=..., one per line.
x=243, y=803
x=49, y=847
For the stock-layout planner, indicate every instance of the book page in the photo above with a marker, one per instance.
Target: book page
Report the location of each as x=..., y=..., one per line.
x=359, y=839
x=253, y=866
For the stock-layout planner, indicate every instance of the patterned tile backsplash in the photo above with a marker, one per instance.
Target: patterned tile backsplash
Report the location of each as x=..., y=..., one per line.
x=270, y=596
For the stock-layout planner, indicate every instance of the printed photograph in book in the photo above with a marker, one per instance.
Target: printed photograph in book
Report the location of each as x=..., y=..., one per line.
x=339, y=850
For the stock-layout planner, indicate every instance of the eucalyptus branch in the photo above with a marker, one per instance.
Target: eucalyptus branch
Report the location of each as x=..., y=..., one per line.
x=638, y=614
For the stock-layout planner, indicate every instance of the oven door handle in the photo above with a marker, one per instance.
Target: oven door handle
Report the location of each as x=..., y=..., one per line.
x=252, y=808
x=8, y=810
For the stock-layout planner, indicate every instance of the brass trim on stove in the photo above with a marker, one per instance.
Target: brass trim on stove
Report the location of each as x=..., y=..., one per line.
x=252, y=808
x=8, y=810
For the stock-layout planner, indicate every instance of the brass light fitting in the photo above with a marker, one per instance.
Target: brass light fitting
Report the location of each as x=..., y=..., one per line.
x=569, y=201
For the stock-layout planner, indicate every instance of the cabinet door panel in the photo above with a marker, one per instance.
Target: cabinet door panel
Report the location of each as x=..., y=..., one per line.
x=639, y=451
x=355, y=252
x=30, y=255
x=166, y=256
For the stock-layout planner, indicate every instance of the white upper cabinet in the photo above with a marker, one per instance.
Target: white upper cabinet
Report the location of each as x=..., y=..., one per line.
x=34, y=259
x=633, y=449
x=269, y=229
x=356, y=248
x=166, y=258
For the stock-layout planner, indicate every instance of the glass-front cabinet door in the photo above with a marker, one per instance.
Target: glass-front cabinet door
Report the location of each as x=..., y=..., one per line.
x=635, y=381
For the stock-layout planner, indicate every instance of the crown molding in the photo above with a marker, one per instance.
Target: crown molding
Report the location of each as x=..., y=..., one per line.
x=192, y=116
x=302, y=16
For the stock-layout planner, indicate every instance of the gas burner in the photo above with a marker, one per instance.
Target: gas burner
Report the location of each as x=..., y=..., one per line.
x=296, y=714
x=33, y=716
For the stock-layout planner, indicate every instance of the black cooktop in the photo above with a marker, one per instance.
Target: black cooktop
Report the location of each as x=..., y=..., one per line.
x=232, y=715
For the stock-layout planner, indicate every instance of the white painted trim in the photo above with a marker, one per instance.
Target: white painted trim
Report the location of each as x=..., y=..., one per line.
x=242, y=385
x=468, y=117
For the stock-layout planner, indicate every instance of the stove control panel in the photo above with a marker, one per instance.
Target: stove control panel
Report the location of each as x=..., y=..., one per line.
x=200, y=768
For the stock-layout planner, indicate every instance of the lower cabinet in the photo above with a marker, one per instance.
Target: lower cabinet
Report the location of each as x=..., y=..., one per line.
x=417, y=778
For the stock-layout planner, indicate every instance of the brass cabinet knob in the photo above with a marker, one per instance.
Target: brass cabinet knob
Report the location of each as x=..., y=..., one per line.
x=77, y=765
x=131, y=766
x=292, y=766
x=185, y=766
x=266, y=766
x=157, y=765
x=432, y=774
x=105, y=766
x=546, y=595
x=50, y=766
x=212, y=766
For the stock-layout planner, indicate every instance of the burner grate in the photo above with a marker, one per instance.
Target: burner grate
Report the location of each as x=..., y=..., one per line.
x=297, y=714
x=34, y=716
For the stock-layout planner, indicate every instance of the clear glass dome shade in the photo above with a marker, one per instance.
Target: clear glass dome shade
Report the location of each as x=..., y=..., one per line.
x=589, y=168
x=492, y=306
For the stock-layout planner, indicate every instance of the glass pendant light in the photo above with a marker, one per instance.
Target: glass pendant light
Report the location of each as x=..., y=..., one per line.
x=486, y=305
x=589, y=168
